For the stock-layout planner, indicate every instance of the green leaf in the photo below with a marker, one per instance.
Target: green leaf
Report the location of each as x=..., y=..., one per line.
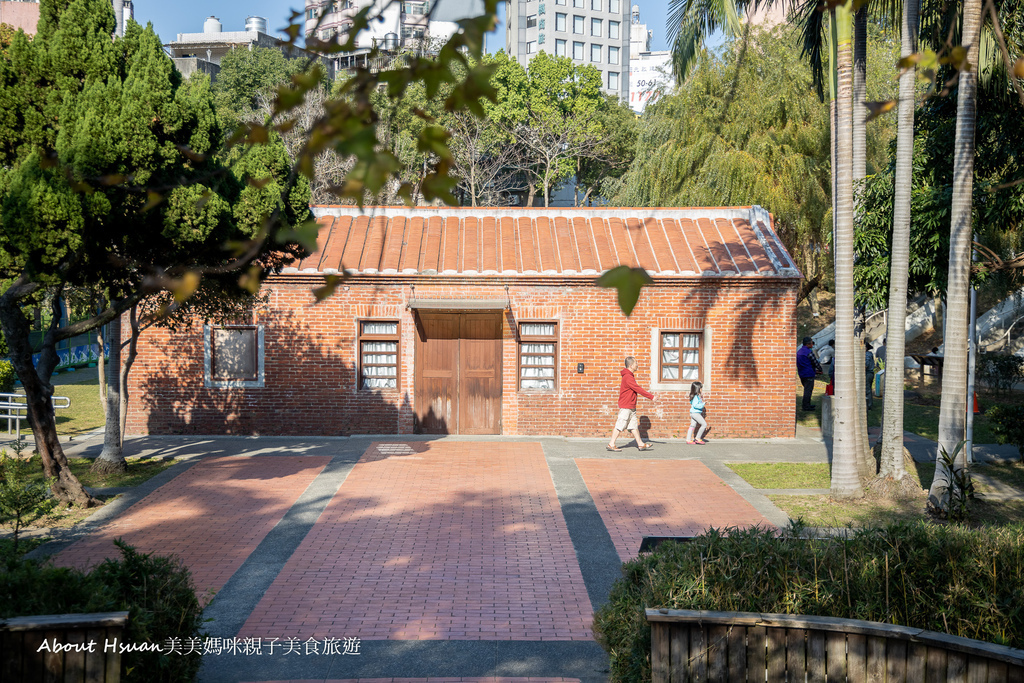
x=628, y=281
x=331, y=283
x=305, y=234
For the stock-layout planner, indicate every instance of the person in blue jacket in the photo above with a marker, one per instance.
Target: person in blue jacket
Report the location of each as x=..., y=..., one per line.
x=697, y=419
x=807, y=367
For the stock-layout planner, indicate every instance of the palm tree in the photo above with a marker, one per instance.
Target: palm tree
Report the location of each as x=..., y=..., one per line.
x=891, y=465
x=845, y=471
x=953, y=408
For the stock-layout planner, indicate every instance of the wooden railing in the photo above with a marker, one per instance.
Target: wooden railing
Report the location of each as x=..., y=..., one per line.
x=62, y=647
x=711, y=647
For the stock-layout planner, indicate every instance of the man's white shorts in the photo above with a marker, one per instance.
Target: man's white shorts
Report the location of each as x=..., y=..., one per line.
x=626, y=420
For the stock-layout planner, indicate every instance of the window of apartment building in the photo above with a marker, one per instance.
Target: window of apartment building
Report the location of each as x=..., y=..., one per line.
x=679, y=359
x=577, y=50
x=378, y=354
x=560, y=48
x=560, y=22
x=595, y=27
x=313, y=13
x=531, y=47
x=531, y=21
x=613, y=29
x=595, y=5
x=559, y=2
x=595, y=53
x=233, y=354
x=538, y=355
x=613, y=80
x=416, y=8
x=613, y=55
x=412, y=32
x=578, y=24
x=613, y=6
x=579, y=3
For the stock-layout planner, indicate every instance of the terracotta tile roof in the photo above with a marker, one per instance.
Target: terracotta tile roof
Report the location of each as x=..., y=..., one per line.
x=710, y=242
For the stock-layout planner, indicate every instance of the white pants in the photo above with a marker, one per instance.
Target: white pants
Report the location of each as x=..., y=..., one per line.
x=698, y=423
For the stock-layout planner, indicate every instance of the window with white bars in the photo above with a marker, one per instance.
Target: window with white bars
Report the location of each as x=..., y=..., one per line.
x=679, y=356
x=378, y=354
x=538, y=355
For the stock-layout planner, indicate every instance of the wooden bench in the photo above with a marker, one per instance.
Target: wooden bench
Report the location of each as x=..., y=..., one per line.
x=931, y=362
x=712, y=647
x=62, y=647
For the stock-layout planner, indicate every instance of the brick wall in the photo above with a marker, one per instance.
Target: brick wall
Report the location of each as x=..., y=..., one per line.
x=310, y=361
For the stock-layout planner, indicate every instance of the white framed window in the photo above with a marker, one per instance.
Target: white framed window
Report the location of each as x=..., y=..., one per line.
x=595, y=5
x=378, y=354
x=531, y=47
x=416, y=8
x=560, y=48
x=577, y=50
x=613, y=29
x=559, y=2
x=578, y=24
x=614, y=7
x=613, y=55
x=595, y=53
x=613, y=80
x=538, y=355
x=560, y=22
x=595, y=27
x=679, y=357
x=233, y=356
x=531, y=21
x=581, y=4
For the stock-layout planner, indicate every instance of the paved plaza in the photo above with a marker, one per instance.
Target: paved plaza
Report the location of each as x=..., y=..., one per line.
x=419, y=560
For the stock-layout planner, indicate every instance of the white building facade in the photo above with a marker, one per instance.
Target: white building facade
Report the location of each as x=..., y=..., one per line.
x=588, y=31
x=650, y=73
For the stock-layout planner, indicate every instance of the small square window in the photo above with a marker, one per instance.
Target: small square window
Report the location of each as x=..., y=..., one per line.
x=577, y=24
x=233, y=355
x=581, y=4
x=613, y=81
x=613, y=55
x=378, y=354
x=595, y=5
x=538, y=355
x=560, y=48
x=559, y=2
x=595, y=53
x=531, y=47
x=577, y=50
x=679, y=359
x=560, y=22
x=613, y=29
x=613, y=6
x=595, y=27
x=531, y=21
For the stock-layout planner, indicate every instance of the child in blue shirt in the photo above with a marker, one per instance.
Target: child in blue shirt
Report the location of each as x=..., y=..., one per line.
x=697, y=420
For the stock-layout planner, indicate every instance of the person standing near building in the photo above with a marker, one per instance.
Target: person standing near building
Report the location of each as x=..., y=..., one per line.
x=807, y=367
x=626, y=421
x=698, y=424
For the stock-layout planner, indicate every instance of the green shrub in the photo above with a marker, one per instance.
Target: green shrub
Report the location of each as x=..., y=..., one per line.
x=1007, y=423
x=157, y=592
x=7, y=377
x=944, y=578
x=999, y=371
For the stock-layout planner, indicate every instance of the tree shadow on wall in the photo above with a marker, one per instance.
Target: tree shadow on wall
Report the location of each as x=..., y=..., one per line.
x=309, y=387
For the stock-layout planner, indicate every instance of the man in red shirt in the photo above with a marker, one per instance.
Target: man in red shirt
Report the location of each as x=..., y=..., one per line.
x=628, y=389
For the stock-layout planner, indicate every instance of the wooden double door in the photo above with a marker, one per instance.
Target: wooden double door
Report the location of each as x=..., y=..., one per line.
x=458, y=373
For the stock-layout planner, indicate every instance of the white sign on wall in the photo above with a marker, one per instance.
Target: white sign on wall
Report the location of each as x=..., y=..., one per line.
x=650, y=75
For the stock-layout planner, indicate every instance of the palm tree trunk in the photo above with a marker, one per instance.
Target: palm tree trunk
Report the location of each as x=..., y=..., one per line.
x=953, y=408
x=891, y=465
x=845, y=476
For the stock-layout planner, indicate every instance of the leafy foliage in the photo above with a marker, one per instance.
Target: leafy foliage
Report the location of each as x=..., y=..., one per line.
x=21, y=501
x=1000, y=372
x=943, y=578
x=156, y=591
x=7, y=376
x=1008, y=425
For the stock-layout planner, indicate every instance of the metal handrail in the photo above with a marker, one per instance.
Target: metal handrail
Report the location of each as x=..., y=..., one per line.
x=10, y=409
x=1004, y=336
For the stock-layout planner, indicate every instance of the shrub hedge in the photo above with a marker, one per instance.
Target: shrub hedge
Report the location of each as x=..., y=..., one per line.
x=157, y=591
x=7, y=377
x=965, y=582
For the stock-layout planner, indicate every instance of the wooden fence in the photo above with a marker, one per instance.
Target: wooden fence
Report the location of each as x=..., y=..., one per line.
x=708, y=647
x=62, y=647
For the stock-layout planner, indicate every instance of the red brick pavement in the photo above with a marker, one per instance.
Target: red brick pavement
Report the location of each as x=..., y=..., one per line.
x=212, y=516
x=440, y=540
x=638, y=498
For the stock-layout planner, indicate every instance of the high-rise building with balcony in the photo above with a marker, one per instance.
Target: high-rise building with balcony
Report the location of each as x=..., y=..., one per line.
x=587, y=31
x=413, y=25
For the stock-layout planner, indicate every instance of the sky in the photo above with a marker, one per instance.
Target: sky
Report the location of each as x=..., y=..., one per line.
x=187, y=16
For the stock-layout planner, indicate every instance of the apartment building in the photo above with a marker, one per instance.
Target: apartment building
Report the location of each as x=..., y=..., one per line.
x=588, y=31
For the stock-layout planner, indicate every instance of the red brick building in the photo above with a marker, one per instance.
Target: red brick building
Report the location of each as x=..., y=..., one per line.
x=488, y=321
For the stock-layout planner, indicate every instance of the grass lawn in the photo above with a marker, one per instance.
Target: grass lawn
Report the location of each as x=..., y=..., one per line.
x=138, y=472
x=783, y=475
x=86, y=411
